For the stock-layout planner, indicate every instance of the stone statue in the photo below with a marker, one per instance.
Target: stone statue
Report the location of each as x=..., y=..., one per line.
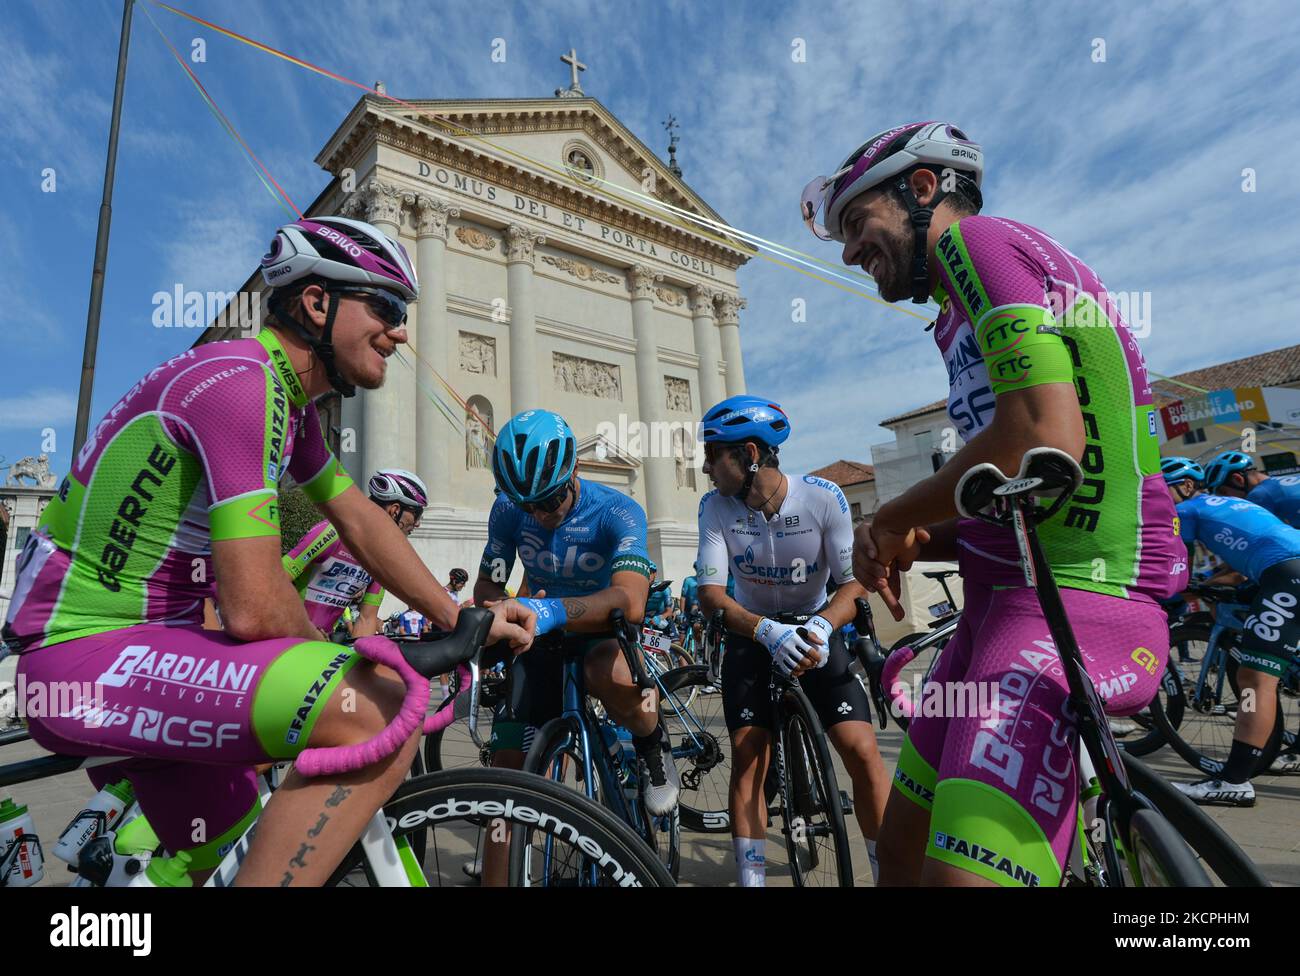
x=37, y=469
x=477, y=452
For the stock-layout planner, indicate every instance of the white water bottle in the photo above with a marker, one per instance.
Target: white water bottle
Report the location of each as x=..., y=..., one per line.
x=25, y=866
x=102, y=814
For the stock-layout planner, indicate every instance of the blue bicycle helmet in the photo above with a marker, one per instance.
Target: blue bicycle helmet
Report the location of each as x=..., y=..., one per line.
x=535, y=454
x=1175, y=469
x=1217, y=471
x=746, y=418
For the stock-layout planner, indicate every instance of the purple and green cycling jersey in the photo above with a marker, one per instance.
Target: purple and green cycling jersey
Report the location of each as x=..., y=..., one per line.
x=328, y=577
x=604, y=534
x=1246, y=536
x=1018, y=310
x=1281, y=496
x=194, y=452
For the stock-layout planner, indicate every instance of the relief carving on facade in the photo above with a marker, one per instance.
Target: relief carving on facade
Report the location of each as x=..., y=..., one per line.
x=670, y=297
x=677, y=394
x=579, y=270
x=684, y=460
x=478, y=354
x=586, y=376
x=475, y=238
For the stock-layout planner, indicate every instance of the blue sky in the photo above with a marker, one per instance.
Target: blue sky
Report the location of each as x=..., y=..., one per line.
x=1134, y=163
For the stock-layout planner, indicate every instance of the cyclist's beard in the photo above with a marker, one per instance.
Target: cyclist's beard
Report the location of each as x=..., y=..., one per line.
x=895, y=283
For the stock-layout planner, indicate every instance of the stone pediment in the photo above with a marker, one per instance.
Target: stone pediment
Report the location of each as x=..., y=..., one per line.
x=592, y=161
x=598, y=449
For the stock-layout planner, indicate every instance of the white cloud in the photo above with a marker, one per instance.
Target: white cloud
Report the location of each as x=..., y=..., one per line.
x=37, y=409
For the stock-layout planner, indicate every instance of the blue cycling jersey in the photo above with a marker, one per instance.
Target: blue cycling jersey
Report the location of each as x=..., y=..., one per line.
x=1247, y=537
x=1281, y=496
x=690, y=593
x=604, y=534
x=657, y=603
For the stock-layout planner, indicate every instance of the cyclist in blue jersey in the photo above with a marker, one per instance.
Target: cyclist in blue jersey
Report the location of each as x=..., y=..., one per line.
x=1233, y=473
x=1260, y=546
x=583, y=549
x=692, y=616
x=660, y=610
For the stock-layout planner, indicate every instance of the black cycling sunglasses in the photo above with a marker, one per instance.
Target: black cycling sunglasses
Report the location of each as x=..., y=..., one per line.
x=389, y=307
x=548, y=504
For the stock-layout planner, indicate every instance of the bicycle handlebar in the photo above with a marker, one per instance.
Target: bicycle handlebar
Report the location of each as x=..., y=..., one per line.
x=416, y=662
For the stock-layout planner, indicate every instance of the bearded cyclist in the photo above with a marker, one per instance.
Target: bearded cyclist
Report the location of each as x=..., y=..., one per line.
x=583, y=549
x=1036, y=356
x=329, y=579
x=177, y=487
x=1234, y=474
x=783, y=536
x=1261, y=547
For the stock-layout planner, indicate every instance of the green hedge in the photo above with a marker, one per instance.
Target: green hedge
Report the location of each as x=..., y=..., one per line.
x=297, y=516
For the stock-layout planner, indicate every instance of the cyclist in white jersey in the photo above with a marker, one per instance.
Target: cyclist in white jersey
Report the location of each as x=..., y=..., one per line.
x=781, y=536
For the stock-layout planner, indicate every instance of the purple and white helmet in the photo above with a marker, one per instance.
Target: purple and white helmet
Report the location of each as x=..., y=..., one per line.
x=883, y=156
x=339, y=249
x=397, y=485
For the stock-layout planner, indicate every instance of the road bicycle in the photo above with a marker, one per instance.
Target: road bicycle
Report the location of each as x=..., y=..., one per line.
x=1198, y=720
x=450, y=810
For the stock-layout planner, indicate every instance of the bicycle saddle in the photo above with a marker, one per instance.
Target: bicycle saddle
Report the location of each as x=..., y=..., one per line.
x=985, y=493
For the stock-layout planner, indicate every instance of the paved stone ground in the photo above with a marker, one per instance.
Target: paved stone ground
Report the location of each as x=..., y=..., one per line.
x=1268, y=832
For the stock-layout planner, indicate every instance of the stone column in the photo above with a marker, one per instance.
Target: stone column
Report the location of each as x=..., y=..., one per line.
x=387, y=436
x=706, y=346
x=660, y=482
x=729, y=307
x=525, y=390
x=431, y=339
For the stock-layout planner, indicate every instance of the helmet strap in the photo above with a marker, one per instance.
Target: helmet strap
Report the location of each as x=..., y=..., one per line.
x=920, y=217
x=320, y=345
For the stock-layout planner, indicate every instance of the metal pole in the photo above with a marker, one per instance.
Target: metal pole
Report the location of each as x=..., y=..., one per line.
x=101, y=242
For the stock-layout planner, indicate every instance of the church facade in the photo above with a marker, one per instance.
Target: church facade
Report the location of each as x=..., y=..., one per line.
x=546, y=280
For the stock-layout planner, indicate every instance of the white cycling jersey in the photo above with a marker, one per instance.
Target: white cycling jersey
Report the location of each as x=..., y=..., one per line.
x=780, y=564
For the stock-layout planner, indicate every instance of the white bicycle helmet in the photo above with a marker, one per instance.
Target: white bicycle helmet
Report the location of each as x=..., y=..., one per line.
x=397, y=485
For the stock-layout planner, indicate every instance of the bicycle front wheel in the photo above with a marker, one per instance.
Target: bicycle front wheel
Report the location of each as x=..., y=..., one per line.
x=1159, y=857
x=809, y=802
x=458, y=806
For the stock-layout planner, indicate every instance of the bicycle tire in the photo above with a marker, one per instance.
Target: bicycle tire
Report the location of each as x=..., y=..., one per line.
x=624, y=858
x=701, y=750
x=809, y=783
x=1171, y=700
x=1161, y=855
x=925, y=662
x=1195, y=753
x=1205, y=837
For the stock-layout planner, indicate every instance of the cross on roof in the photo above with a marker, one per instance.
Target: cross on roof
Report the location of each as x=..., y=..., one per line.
x=571, y=59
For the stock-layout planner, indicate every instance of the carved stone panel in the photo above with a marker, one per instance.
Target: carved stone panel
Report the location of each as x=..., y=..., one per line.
x=478, y=354
x=670, y=297
x=475, y=238
x=579, y=270
x=677, y=394
x=587, y=376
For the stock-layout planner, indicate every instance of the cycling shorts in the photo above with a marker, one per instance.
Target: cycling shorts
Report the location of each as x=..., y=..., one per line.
x=534, y=691
x=1270, y=636
x=834, y=692
x=991, y=754
x=193, y=709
